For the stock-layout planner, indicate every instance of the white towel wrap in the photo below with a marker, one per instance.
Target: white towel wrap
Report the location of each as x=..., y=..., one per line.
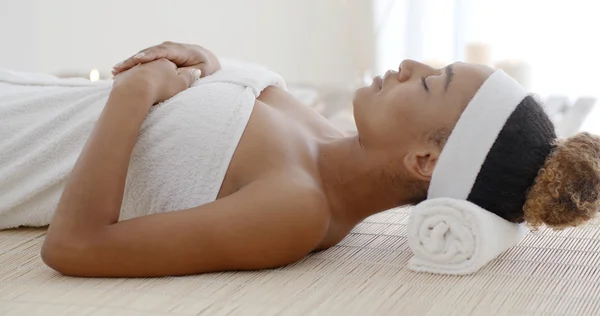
x=179, y=161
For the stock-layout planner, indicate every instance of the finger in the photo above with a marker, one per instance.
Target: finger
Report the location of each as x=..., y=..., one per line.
x=205, y=69
x=169, y=50
x=145, y=56
x=188, y=76
x=127, y=63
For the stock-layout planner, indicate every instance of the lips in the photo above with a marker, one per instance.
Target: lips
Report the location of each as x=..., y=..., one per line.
x=388, y=74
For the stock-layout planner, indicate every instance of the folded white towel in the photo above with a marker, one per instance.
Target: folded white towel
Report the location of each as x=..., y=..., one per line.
x=457, y=237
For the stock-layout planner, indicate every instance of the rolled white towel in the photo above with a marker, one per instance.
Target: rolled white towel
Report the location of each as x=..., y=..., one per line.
x=457, y=237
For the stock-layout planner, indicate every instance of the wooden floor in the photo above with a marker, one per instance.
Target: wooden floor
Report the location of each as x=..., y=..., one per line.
x=548, y=273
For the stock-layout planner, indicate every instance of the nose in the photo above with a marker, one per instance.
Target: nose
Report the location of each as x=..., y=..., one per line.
x=409, y=67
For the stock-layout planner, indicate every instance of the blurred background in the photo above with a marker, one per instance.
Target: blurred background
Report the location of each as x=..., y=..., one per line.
x=326, y=48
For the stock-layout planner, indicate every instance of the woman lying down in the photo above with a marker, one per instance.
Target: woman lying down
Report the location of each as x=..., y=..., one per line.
x=167, y=170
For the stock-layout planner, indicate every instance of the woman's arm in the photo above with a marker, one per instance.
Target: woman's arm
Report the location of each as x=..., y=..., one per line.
x=264, y=225
x=94, y=190
x=97, y=180
x=267, y=224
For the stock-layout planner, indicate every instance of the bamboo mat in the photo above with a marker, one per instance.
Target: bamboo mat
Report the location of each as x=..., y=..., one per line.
x=548, y=273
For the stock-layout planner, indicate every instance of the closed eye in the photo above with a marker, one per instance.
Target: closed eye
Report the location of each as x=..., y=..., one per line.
x=424, y=83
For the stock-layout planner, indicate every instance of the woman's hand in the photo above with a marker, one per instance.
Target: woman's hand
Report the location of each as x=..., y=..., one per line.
x=182, y=55
x=155, y=81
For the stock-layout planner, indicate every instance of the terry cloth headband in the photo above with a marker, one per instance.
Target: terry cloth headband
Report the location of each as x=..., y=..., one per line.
x=473, y=136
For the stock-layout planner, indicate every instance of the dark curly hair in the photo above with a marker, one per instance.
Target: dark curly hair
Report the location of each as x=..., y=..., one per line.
x=529, y=175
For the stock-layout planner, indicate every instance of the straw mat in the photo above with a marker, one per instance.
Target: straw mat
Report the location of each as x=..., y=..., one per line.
x=548, y=273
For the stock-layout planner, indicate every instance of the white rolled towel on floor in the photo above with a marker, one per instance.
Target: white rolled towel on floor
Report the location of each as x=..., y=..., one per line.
x=457, y=237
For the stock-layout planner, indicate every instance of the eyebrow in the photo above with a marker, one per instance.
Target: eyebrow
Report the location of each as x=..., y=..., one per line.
x=449, y=74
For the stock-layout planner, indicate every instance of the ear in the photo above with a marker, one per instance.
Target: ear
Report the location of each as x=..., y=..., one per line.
x=420, y=163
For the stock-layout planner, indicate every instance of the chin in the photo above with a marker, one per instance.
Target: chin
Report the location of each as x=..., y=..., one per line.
x=362, y=96
x=361, y=102
x=358, y=100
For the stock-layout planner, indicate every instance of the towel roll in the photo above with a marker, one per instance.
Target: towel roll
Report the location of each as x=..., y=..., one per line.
x=457, y=237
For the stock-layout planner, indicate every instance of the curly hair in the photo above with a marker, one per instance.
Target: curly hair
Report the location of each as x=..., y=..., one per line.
x=566, y=190
x=531, y=176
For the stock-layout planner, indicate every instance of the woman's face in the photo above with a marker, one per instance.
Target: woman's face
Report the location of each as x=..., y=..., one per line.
x=396, y=115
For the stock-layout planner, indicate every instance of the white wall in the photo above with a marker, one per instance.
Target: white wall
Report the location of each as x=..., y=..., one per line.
x=308, y=41
x=18, y=35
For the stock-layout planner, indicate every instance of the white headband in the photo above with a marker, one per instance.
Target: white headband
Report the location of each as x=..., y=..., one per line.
x=473, y=136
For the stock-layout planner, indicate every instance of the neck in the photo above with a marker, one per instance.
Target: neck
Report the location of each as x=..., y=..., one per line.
x=356, y=187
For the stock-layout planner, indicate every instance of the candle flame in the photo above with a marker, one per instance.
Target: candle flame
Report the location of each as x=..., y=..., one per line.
x=94, y=75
